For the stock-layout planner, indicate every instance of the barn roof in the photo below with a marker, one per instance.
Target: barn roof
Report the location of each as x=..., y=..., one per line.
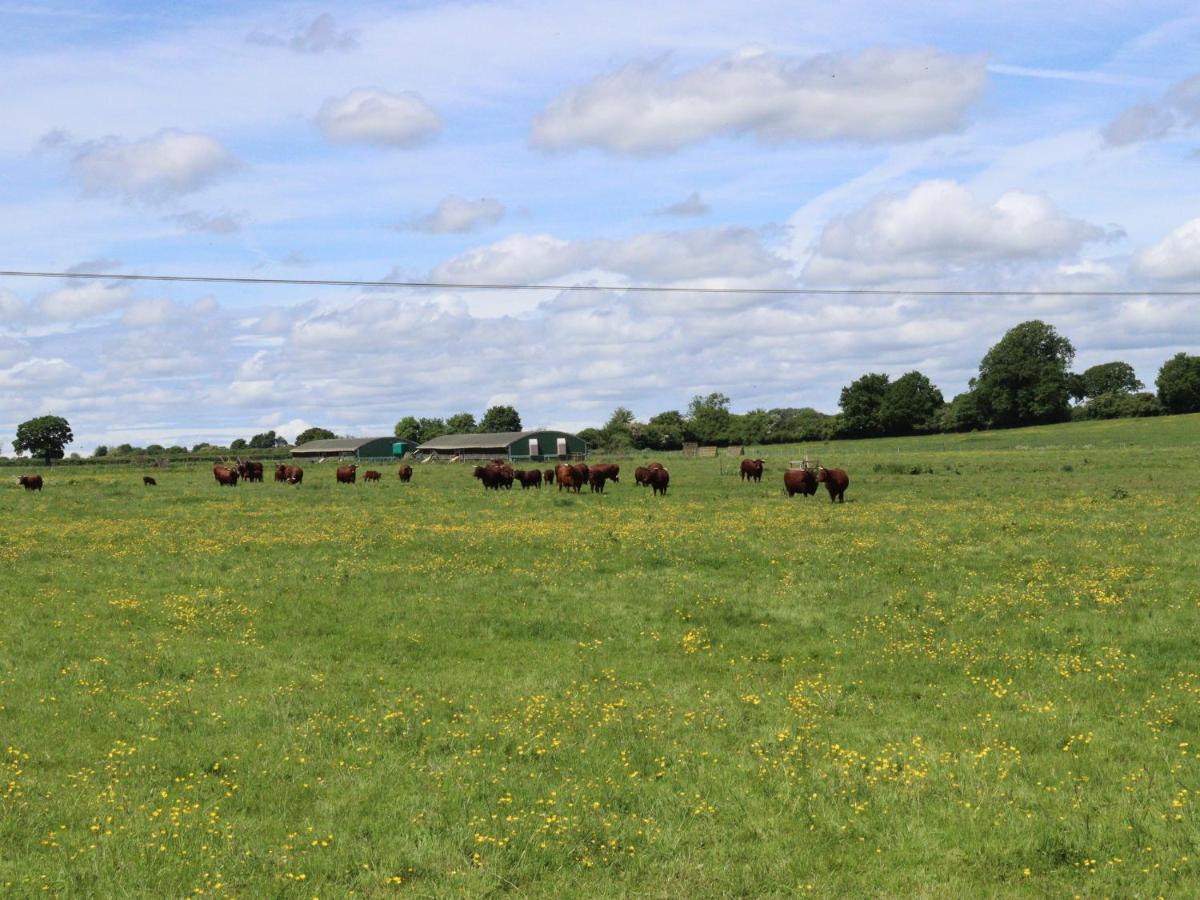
x=337, y=445
x=495, y=439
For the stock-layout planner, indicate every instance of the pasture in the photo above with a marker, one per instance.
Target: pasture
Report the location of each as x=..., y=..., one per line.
x=977, y=677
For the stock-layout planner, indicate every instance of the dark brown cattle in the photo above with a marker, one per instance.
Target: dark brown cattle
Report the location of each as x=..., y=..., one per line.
x=254, y=471
x=641, y=476
x=506, y=475
x=371, y=475
x=347, y=474
x=600, y=473
x=226, y=477
x=30, y=482
x=579, y=475
x=281, y=472
x=148, y=481
x=548, y=476
x=529, y=479
x=800, y=481
x=752, y=469
x=489, y=475
x=565, y=476
x=405, y=473
x=836, y=481
x=294, y=474
x=660, y=478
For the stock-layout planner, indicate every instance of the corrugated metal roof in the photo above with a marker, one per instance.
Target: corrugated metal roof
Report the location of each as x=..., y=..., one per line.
x=337, y=445
x=497, y=440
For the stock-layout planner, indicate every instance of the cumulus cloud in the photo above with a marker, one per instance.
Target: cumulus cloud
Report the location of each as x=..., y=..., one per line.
x=671, y=256
x=37, y=373
x=1150, y=120
x=157, y=168
x=82, y=301
x=692, y=205
x=1175, y=258
x=371, y=116
x=939, y=225
x=208, y=223
x=876, y=95
x=455, y=215
x=317, y=36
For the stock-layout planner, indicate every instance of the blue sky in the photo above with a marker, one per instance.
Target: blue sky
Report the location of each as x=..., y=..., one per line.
x=1017, y=146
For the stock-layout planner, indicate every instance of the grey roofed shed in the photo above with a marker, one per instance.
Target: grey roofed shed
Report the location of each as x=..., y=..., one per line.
x=359, y=448
x=534, y=444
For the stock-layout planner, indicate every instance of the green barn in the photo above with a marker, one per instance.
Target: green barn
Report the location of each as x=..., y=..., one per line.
x=342, y=448
x=538, y=445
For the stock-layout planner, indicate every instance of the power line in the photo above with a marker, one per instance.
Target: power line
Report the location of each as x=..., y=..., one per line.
x=641, y=288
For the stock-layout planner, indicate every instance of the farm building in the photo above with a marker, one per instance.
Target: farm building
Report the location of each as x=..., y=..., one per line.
x=356, y=448
x=533, y=445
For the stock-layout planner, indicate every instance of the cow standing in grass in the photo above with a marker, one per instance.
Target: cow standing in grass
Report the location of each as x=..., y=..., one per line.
x=752, y=469
x=226, y=477
x=836, y=481
x=600, y=473
x=660, y=479
x=372, y=475
x=800, y=481
x=30, y=482
x=405, y=473
x=347, y=474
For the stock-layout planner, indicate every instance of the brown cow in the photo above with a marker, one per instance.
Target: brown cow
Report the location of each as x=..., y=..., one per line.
x=405, y=473
x=641, y=476
x=489, y=475
x=347, y=474
x=281, y=473
x=531, y=478
x=660, y=478
x=226, y=477
x=602, y=472
x=30, y=482
x=506, y=475
x=800, y=481
x=148, y=481
x=294, y=474
x=371, y=475
x=752, y=469
x=565, y=476
x=579, y=473
x=548, y=476
x=836, y=481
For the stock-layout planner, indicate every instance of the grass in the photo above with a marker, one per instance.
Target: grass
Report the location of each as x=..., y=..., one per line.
x=977, y=677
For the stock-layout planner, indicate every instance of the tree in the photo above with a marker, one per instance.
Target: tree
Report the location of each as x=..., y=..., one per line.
x=962, y=414
x=805, y=424
x=156, y=450
x=754, y=427
x=500, y=418
x=860, y=402
x=432, y=428
x=708, y=419
x=910, y=404
x=1178, y=384
x=664, y=431
x=1106, y=378
x=1023, y=379
x=409, y=429
x=461, y=423
x=617, y=433
x=101, y=450
x=45, y=436
x=237, y=444
x=264, y=441
x=315, y=434
x=1119, y=406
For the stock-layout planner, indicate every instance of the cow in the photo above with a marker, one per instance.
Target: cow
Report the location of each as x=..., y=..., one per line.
x=660, y=478
x=405, y=473
x=347, y=474
x=641, y=476
x=836, y=481
x=281, y=472
x=371, y=475
x=489, y=475
x=529, y=479
x=548, y=476
x=30, y=482
x=565, y=476
x=800, y=481
x=250, y=471
x=752, y=469
x=602, y=472
x=226, y=477
x=293, y=474
x=148, y=481
x=579, y=472
x=506, y=475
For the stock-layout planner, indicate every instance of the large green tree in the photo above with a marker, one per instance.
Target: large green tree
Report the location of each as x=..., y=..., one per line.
x=708, y=419
x=617, y=433
x=1107, y=378
x=860, y=402
x=1024, y=379
x=432, y=428
x=1178, y=384
x=45, y=436
x=664, y=431
x=500, y=418
x=314, y=434
x=409, y=429
x=910, y=405
x=461, y=423
x=264, y=441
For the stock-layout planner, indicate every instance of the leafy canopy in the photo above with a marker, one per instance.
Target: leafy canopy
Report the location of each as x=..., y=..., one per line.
x=45, y=436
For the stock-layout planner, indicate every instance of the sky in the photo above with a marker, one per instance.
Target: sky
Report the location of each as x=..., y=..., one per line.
x=1018, y=146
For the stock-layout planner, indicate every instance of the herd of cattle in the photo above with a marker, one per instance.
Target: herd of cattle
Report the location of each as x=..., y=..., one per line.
x=499, y=474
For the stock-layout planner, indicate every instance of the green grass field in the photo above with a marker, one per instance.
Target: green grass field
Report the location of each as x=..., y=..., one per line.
x=977, y=680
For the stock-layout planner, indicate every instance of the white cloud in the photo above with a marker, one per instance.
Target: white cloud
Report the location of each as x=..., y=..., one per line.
x=1176, y=257
x=876, y=95
x=371, y=116
x=318, y=36
x=455, y=215
x=81, y=301
x=1150, y=120
x=692, y=205
x=209, y=223
x=165, y=165
x=940, y=224
x=37, y=373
